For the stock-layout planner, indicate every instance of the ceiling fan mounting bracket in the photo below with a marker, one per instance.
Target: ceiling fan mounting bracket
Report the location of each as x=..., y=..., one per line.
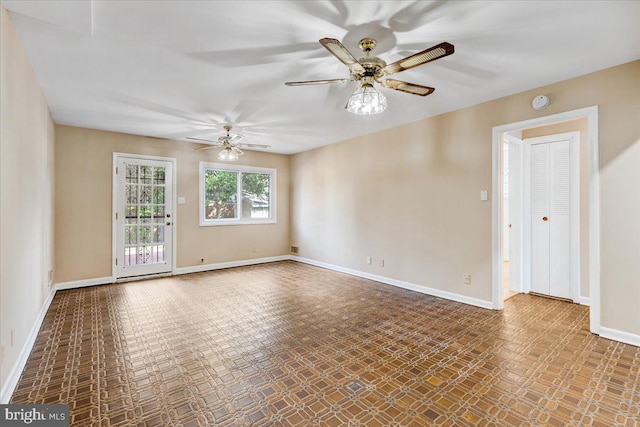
x=367, y=45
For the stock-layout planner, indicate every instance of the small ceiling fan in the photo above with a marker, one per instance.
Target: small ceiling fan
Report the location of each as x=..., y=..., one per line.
x=230, y=145
x=371, y=69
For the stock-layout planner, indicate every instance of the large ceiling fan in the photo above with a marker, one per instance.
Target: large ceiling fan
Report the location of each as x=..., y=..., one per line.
x=371, y=69
x=230, y=145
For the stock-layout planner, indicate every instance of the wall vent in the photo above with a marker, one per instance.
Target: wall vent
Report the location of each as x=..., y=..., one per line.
x=294, y=249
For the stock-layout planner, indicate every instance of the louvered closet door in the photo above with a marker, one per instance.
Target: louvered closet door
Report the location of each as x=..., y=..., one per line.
x=559, y=224
x=540, y=211
x=550, y=225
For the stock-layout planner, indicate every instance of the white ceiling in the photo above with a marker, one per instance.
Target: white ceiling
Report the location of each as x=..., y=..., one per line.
x=175, y=68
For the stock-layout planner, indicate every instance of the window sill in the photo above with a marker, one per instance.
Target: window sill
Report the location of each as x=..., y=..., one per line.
x=237, y=222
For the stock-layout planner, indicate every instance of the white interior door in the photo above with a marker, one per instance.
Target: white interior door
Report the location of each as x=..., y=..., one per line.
x=515, y=215
x=143, y=217
x=540, y=218
x=551, y=192
x=559, y=220
x=506, y=204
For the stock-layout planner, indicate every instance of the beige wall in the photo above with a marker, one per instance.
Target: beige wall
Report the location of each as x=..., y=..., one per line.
x=582, y=126
x=410, y=195
x=26, y=192
x=84, y=162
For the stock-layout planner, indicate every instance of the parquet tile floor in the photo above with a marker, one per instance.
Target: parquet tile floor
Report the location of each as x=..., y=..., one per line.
x=288, y=344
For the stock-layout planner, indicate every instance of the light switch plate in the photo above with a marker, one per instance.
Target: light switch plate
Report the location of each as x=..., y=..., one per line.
x=181, y=201
x=484, y=195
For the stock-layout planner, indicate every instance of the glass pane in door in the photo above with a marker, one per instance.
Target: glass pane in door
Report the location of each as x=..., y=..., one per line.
x=144, y=230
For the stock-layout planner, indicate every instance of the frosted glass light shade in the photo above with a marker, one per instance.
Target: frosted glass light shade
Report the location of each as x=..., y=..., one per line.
x=228, y=155
x=367, y=100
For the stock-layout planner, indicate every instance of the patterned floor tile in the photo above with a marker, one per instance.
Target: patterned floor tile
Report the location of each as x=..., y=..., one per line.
x=287, y=344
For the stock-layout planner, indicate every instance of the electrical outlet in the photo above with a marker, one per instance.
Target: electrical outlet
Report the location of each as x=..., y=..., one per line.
x=466, y=278
x=381, y=263
x=294, y=249
x=369, y=261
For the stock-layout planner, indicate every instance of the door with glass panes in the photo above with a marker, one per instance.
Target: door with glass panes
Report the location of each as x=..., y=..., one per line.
x=144, y=217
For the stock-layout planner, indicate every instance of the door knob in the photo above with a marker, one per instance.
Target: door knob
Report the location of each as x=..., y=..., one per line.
x=168, y=223
x=544, y=218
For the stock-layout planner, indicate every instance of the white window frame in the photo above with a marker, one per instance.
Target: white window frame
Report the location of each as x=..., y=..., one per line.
x=272, y=219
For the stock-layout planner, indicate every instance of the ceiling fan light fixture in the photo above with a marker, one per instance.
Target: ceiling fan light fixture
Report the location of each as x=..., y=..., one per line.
x=228, y=154
x=367, y=100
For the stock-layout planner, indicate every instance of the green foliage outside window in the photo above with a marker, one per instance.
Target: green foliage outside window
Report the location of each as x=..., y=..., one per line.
x=221, y=188
x=221, y=194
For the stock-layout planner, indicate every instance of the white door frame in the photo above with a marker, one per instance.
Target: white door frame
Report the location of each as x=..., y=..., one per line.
x=114, y=204
x=574, y=156
x=591, y=113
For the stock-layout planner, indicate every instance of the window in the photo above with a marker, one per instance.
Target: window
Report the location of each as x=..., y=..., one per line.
x=232, y=194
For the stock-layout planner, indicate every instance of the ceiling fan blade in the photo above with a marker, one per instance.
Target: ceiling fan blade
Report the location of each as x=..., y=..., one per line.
x=235, y=138
x=254, y=146
x=203, y=140
x=427, y=55
x=209, y=147
x=411, y=88
x=339, y=51
x=317, y=82
x=239, y=151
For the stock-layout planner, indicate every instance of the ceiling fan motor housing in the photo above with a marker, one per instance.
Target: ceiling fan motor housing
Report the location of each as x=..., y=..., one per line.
x=372, y=64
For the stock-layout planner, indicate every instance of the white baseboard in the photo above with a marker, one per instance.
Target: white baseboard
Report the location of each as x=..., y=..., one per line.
x=220, y=265
x=616, y=335
x=584, y=301
x=14, y=375
x=183, y=270
x=399, y=283
x=83, y=283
